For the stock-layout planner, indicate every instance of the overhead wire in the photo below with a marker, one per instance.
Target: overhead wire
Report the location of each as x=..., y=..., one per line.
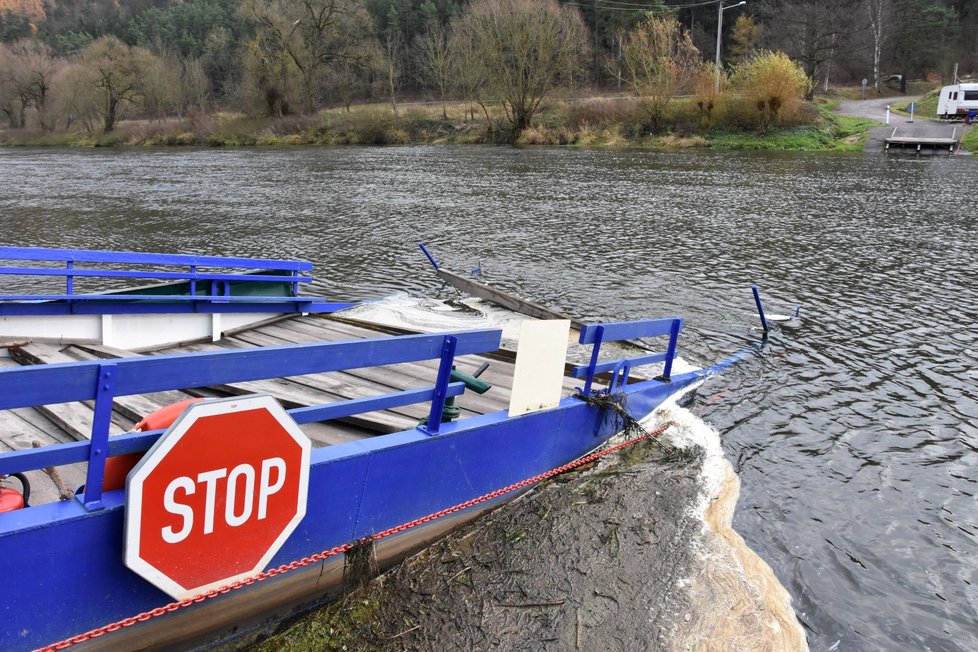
x=632, y=6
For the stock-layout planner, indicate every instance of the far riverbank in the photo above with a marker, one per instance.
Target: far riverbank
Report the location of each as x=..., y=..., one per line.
x=594, y=123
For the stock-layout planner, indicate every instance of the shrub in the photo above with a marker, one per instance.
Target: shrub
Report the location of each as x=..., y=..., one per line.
x=775, y=84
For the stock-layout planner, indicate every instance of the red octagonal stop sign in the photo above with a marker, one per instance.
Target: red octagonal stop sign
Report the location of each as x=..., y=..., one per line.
x=217, y=495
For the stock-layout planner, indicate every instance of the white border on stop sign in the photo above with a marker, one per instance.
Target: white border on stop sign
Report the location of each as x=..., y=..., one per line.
x=162, y=447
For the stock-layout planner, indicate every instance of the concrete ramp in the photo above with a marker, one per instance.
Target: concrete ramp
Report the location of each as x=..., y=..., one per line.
x=924, y=137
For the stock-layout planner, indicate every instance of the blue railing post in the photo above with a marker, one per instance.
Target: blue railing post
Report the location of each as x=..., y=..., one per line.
x=595, y=349
x=69, y=278
x=619, y=377
x=441, y=385
x=677, y=325
x=427, y=253
x=193, y=280
x=760, y=308
x=99, y=444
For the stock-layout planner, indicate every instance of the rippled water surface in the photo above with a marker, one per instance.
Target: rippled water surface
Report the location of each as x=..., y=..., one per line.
x=854, y=433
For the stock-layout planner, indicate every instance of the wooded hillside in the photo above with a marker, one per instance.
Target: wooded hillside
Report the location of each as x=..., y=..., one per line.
x=282, y=57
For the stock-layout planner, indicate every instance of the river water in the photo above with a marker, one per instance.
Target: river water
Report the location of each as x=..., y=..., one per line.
x=853, y=431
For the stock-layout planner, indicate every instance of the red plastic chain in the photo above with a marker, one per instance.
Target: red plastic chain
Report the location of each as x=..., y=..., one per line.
x=325, y=554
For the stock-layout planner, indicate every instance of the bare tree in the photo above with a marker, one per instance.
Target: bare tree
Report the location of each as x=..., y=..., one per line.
x=527, y=48
x=9, y=98
x=880, y=15
x=161, y=87
x=468, y=70
x=435, y=63
x=812, y=33
x=194, y=85
x=346, y=82
x=659, y=60
x=76, y=96
x=312, y=35
x=119, y=74
x=393, y=54
x=26, y=70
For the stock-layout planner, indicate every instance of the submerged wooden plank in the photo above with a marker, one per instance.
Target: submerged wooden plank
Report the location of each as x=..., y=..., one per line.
x=288, y=393
x=499, y=374
x=390, y=378
x=331, y=432
x=291, y=394
x=505, y=299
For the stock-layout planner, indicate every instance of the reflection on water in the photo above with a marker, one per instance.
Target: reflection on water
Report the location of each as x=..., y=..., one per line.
x=854, y=434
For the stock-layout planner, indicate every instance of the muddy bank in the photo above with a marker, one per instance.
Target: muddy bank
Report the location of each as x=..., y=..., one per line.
x=614, y=557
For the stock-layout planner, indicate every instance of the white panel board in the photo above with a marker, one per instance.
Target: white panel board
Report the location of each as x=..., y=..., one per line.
x=132, y=332
x=539, y=375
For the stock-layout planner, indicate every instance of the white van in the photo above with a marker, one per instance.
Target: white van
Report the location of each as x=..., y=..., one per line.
x=957, y=100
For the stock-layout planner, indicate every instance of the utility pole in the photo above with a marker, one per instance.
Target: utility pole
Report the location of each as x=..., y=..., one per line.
x=720, y=9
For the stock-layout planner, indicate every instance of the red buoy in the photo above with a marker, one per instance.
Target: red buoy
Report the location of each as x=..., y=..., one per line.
x=11, y=499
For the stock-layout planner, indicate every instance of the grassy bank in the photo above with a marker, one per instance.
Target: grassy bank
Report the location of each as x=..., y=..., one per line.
x=970, y=140
x=591, y=123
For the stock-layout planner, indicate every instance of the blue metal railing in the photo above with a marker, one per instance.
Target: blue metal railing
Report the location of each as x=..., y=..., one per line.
x=200, y=284
x=596, y=334
x=102, y=381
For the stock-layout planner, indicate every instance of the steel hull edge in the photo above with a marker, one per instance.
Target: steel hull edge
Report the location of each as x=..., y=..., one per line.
x=68, y=563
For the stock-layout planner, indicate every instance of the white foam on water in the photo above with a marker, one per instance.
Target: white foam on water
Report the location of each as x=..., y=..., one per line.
x=734, y=586
x=432, y=315
x=689, y=431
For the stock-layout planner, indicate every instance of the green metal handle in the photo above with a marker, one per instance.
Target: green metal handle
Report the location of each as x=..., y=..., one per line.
x=471, y=382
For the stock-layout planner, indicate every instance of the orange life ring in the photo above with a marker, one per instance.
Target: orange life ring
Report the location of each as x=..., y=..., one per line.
x=117, y=468
x=165, y=416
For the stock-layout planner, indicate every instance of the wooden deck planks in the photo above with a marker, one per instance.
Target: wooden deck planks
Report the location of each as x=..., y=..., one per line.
x=47, y=425
x=321, y=434
x=499, y=374
x=338, y=330
x=18, y=433
x=76, y=418
x=375, y=422
x=383, y=379
x=141, y=405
